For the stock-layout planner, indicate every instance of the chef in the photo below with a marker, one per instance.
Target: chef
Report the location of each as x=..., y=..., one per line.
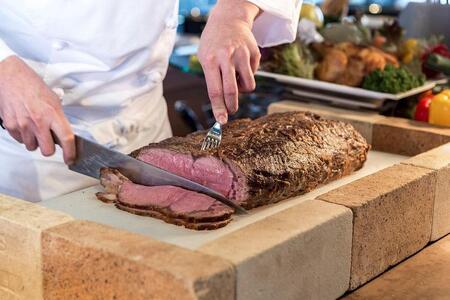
x=95, y=68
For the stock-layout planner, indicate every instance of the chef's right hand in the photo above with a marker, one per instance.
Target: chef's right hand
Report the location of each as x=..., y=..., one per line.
x=229, y=55
x=31, y=111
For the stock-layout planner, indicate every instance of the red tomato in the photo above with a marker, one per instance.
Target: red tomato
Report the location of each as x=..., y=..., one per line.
x=441, y=49
x=423, y=109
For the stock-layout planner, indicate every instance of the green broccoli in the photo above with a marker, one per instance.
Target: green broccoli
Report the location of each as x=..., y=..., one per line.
x=392, y=80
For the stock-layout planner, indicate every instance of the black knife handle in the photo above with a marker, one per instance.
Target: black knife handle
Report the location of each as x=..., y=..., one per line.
x=1, y=123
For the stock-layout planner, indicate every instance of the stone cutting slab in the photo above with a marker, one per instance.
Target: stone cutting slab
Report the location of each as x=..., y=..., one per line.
x=392, y=217
x=85, y=260
x=426, y=275
x=407, y=137
x=438, y=159
x=21, y=226
x=362, y=121
x=300, y=253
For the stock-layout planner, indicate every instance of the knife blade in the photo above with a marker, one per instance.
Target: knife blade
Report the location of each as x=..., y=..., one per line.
x=91, y=157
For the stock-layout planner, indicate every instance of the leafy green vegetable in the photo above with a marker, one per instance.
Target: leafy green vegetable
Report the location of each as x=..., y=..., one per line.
x=392, y=80
x=439, y=63
x=415, y=67
x=289, y=59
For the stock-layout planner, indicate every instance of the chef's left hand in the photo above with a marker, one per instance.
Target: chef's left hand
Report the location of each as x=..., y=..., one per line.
x=229, y=55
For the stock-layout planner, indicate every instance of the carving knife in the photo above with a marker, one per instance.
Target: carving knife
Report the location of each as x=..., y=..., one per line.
x=91, y=157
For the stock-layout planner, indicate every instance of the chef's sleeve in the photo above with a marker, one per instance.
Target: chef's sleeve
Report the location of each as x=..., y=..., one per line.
x=277, y=24
x=5, y=51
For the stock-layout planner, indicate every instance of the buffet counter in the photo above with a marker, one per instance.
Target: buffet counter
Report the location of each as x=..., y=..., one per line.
x=318, y=245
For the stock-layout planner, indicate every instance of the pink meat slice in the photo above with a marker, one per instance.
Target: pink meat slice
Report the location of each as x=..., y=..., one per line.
x=208, y=171
x=179, y=201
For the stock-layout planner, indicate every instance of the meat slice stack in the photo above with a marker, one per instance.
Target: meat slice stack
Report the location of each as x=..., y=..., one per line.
x=259, y=162
x=169, y=203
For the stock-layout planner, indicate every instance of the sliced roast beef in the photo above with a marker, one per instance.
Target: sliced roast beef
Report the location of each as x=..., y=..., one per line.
x=259, y=162
x=204, y=225
x=171, y=204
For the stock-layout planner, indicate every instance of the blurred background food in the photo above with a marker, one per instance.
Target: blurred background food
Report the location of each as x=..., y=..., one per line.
x=294, y=59
x=351, y=53
x=381, y=45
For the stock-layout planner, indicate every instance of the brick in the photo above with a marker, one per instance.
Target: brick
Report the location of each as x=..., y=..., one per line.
x=438, y=159
x=85, y=260
x=392, y=216
x=362, y=121
x=21, y=225
x=300, y=253
x=426, y=275
x=407, y=137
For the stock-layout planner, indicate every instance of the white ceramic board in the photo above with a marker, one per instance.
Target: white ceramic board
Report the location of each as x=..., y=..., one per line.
x=324, y=87
x=84, y=205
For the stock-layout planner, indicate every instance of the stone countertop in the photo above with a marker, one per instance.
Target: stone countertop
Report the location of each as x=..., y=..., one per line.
x=301, y=248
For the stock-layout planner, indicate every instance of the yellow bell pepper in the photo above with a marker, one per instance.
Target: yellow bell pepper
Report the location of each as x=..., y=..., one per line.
x=411, y=44
x=409, y=50
x=440, y=109
x=446, y=92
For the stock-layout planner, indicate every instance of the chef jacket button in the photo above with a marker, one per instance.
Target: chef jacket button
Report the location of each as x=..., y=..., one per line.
x=146, y=76
x=119, y=127
x=172, y=22
x=60, y=45
x=154, y=76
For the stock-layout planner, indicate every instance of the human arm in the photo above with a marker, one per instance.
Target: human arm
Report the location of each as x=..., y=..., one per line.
x=229, y=51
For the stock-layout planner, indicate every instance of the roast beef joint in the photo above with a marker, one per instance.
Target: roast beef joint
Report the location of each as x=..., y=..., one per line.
x=258, y=162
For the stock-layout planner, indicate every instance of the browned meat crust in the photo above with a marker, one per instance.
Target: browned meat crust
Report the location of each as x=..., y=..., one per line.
x=280, y=155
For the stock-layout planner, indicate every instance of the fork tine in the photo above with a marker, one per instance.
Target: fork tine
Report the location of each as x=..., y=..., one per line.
x=215, y=144
x=204, y=144
x=213, y=138
x=212, y=144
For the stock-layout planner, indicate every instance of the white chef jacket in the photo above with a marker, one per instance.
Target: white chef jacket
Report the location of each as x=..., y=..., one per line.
x=107, y=60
